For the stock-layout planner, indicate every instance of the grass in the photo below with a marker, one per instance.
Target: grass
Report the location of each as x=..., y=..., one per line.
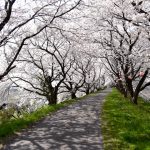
x=10, y=127
x=125, y=126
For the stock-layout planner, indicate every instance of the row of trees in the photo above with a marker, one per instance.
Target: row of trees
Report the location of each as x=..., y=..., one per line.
x=126, y=46
x=51, y=67
x=40, y=50
x=45, y=48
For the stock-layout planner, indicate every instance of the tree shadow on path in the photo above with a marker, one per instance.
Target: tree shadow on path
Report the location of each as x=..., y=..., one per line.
x=76, y=127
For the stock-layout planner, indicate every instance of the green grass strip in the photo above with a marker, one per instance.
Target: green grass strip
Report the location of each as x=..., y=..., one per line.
x=11, y=126
x=125, y=126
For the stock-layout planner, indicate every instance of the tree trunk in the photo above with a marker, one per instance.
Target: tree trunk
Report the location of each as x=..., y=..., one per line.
x=87, y=91
x=121, y=88
x=130, y=87
x=125, y=93
x=52, y=99
x=135, y=98
x=138, y=88
x=73, y=95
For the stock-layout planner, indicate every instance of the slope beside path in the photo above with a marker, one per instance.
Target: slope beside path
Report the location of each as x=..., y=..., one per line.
x=76, y=127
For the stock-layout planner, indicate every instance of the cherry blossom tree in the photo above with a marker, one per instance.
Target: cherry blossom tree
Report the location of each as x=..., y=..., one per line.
x=50, y=62
x=20, y=22
x=124, y=53
x=75, y=78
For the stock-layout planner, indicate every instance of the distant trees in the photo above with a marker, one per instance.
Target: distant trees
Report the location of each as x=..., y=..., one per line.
x=75, y=77
x=84, y=76
x=92, y=74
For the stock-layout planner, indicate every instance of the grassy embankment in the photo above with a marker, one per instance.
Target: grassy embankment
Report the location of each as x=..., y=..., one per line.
x=125, y=126
x=10, y=127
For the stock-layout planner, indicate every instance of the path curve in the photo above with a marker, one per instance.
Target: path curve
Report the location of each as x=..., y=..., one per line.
x=77, y=127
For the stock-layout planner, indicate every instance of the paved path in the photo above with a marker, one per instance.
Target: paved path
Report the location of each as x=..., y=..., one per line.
x=76, y=127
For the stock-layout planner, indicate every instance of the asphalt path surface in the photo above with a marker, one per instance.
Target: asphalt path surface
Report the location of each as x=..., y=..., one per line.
x=75, y=127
